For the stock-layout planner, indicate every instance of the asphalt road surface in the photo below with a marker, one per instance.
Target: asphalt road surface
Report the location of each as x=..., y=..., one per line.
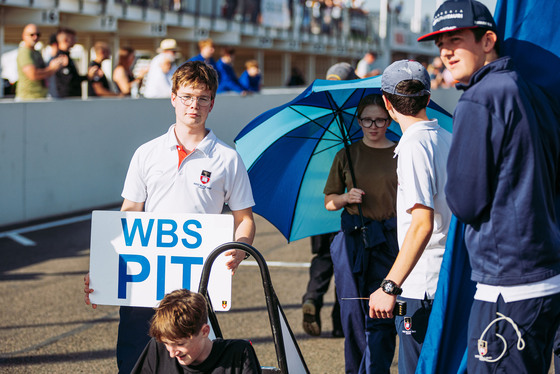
x=45, y=327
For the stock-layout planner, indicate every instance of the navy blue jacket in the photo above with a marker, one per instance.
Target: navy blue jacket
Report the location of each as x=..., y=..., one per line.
x=199, y=57
x=228, y=79
x=502, y=177
x=250, y=83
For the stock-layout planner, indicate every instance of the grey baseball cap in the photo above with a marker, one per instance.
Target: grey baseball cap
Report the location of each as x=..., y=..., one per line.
x=342, y=71
x=405, y=70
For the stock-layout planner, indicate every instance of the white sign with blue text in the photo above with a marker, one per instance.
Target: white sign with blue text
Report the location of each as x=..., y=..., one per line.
x=138, y=257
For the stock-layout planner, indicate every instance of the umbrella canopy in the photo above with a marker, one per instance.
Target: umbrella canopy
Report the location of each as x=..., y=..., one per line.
x=288, y=152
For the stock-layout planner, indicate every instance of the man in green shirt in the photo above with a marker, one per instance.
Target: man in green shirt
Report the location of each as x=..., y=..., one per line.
x=32, y=70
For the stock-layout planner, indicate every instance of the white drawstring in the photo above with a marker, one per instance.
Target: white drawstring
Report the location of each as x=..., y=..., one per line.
x=520, y=341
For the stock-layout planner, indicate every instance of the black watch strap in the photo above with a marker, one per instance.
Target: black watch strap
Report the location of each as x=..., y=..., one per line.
x=390, y=287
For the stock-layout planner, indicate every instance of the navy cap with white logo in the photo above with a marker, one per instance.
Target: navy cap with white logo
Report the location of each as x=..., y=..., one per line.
x=460, y=14
x=405, y=70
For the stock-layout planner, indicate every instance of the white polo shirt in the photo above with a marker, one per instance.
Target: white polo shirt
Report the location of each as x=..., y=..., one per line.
x=421, y=171
x=213, y=174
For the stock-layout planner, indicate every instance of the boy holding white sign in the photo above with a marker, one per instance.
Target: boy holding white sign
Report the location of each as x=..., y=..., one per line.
x=180, y=342
x=186, y=170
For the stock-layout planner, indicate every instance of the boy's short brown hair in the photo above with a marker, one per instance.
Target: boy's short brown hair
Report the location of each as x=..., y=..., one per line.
x=205, y=42
x=409, y=106
x=180, y=315
x=197, y=74
x=251, y=64
x=373, y=99
x=66, y=30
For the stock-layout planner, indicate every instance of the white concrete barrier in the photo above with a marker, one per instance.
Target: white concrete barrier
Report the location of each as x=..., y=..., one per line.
x=59, y=157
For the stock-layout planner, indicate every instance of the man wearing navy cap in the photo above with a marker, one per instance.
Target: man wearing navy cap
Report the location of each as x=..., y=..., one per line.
x=422, y=214
x=503, y=182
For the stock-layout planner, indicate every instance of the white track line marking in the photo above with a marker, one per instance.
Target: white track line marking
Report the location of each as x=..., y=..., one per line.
x=17, y=237
x=16, y=234
x=21, y=240
x=279, y=264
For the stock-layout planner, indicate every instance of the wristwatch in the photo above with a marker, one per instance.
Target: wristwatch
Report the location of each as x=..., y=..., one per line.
x=390, y=287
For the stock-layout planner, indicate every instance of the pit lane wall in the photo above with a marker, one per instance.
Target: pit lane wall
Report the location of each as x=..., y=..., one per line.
x=60, y=157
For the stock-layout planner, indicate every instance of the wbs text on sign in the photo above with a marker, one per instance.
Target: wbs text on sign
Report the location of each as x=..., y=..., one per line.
x=138, y=257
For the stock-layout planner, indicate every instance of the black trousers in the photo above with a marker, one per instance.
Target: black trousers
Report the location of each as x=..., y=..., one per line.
x=320, y=274
x=133, y=336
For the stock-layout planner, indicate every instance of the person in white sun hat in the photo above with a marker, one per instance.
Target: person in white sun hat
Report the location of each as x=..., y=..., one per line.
x=162, y=67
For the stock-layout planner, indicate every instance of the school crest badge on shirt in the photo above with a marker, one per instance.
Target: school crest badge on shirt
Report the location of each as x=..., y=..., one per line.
x=407, y=323
x=205, y=176
x=482, y=347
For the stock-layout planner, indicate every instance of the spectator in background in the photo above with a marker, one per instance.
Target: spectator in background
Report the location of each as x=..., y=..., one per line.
x=296, y=78
x=53, y=50
x=122, y=75
x=228, y=78
x=229, y=9
x=398, y=11
x=336, y=14
x=206, y=54
x=439, y=75
x=341, y=71
x=366, y=66
x=316, y=9
x=327, y=6
x=162, y=67
x=32, y=70
x=320, y=274
x=98, y=84
x=435, y=69
x=167, y=64
x=251, y=78
x=53, y=46
x=252, y=10
x=67, y=80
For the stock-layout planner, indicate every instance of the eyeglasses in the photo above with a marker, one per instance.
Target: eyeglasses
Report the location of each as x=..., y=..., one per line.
x=37, y=34
x=379, y=122
x=202, y=100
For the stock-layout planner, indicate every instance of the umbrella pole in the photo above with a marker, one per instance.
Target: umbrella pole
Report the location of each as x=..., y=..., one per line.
x=363, y=228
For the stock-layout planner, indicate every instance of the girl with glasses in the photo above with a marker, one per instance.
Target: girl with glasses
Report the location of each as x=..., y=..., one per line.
x=361, y=264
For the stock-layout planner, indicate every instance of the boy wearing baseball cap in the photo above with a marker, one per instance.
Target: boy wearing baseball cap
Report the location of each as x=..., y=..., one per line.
x=503, y=182
x=422, y=213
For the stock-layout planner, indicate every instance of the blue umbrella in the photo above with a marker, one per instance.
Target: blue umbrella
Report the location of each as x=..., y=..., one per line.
x=289, y=150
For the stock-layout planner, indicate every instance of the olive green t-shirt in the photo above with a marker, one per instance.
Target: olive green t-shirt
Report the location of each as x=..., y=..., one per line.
x=27, y=88
x=376, y=174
